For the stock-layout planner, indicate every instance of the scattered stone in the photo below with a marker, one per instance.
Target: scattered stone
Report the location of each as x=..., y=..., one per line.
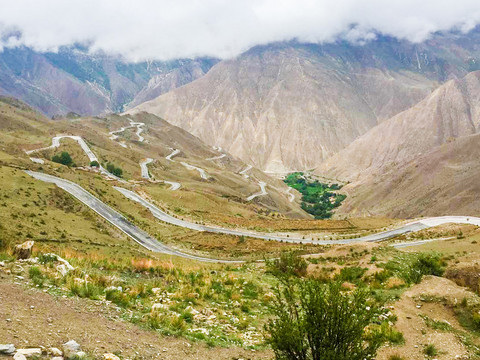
x=57, y=358
x=71, y=349
x=19, y=356
x=55, y=351
x=30, y=352
x=24, y=251
x=110, y=356
x=7, y=349
x=80, y=355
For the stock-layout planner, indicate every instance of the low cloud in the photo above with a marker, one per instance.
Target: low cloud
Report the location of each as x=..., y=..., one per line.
x=166, y=29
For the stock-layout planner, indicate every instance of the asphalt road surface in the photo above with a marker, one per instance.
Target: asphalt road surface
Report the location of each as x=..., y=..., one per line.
x=150, y=243
x=116, y=218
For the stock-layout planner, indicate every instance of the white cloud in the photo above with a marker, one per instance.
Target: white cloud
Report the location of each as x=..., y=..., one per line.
x=165, y=29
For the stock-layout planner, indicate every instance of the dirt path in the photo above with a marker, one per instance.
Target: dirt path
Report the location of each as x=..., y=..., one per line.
x=97, y=327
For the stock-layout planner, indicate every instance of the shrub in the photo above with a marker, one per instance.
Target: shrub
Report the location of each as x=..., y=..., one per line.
x=412, y=267
x=94, y=163
x=430, y=350
x=114, y=170
x=47, y=258
x=289, y=264
x=64, y=158
x=351, y=274
x=311, y=318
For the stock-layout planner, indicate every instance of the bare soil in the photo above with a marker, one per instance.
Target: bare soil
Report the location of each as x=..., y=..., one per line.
x=31, y=318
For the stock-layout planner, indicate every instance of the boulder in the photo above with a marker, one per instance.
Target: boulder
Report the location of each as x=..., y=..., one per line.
x=7, y=349
x=71, y=349
x=54, y=351
x=23, y=251
x=30, y=352
x=19, y=356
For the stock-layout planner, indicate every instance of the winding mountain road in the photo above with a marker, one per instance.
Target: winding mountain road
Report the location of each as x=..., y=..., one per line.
x=202, y=172
x=262, y=192
x=91, y=156
x=244, y=171
x=172, y=154
x=118, y=220
x=150, y=243
x=144, y=168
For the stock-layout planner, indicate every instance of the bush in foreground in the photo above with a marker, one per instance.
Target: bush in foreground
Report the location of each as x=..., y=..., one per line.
x=317, y=321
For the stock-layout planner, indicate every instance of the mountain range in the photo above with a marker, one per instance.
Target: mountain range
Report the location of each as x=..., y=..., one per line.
x=389, y=117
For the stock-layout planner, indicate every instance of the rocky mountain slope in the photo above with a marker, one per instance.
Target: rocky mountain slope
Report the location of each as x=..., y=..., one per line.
x=289, y=106
x=74, y=81
x=421, y=161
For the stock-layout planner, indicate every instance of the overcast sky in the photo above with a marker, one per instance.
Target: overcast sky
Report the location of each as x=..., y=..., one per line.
x=166, y=29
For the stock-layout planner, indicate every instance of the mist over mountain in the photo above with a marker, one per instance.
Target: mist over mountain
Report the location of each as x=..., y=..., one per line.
x=72, y=80
x=289, y=106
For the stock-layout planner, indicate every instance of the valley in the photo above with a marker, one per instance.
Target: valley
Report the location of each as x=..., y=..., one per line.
x=308, y=197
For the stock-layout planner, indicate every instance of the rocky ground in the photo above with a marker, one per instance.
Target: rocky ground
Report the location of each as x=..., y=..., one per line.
x=30, y=318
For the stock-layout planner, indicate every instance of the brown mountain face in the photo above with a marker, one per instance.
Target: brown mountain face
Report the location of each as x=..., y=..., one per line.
x=73, y=80
x=451, y=111
x=421, y=161
x=289, y=106
x=441, y=182
x=286, y=109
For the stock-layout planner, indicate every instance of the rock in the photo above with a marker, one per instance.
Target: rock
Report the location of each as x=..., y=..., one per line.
x=7, y=349
x=62, y=269
x=30, y=352
x=80, y=355
x=19, y=356
x=159, y=306
x=110, y=356
x=55, y=352
x=70, y=349
x=57, y=358
x=23, y=251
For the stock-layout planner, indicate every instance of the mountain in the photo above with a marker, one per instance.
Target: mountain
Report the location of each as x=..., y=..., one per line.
x=72, y=80
x=289, y=106
x=412, y=157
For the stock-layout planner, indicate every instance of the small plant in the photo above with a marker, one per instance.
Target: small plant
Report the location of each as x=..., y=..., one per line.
x=430, y=350
x=36, y=275
x=64, y=158
x=396, y=357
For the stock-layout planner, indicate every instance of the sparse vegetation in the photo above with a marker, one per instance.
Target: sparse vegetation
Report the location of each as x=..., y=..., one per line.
x=114, y=170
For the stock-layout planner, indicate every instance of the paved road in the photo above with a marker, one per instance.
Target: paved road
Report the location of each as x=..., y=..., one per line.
x=144, y=168
x=291, y=197
x=91, y=156
x=116, y=218
x=172, y=154
x=202, y=172
x=262, y=192
x=244, y=171
x=152, y=244
x=216, y=157
x=411, y=227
